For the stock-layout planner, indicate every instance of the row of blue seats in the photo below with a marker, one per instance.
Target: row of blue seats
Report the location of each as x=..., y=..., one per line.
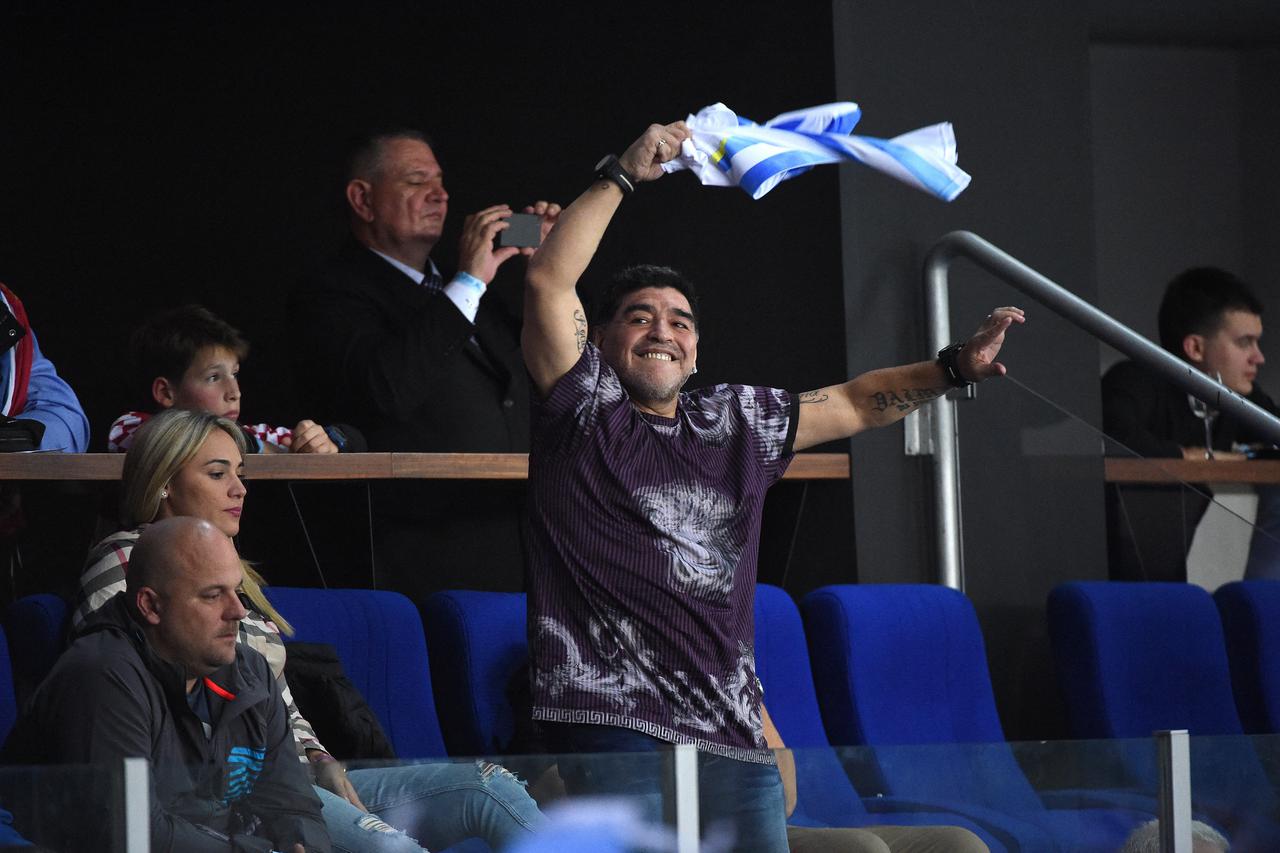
x=891, y=665
x=1214, y=661
x=883, y=666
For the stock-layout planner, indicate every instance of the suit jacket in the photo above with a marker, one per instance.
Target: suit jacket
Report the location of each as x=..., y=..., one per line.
x=379, y=351
x=376, y=350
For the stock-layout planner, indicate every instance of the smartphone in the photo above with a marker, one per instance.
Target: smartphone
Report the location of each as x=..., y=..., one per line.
x=525, y=230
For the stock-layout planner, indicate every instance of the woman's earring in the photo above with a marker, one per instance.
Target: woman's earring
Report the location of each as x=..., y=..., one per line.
x=164, y=493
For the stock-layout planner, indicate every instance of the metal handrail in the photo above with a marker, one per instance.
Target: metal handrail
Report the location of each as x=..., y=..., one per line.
x=946, y=476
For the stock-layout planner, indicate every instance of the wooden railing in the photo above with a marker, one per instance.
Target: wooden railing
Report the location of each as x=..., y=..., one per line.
x=515, y=466
x=356, y=466
x=1192, y=471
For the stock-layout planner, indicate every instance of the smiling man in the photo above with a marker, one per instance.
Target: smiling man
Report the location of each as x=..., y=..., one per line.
x=646, y=504
x=1213, y=321
x=157, y=674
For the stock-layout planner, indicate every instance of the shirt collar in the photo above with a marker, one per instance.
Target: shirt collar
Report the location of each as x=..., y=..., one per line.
x=418, y=276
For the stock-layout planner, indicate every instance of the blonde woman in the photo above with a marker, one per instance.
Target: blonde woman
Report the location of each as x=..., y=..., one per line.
x=191, y=463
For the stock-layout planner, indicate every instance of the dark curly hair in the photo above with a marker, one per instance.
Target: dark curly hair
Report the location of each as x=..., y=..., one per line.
x=639, y=277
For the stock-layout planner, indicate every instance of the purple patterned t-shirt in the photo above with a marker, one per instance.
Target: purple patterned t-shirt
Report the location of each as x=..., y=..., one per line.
x=642, y=578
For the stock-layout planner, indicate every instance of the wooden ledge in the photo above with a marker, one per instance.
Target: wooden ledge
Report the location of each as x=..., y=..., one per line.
x=1192, y=471
x=356, y=466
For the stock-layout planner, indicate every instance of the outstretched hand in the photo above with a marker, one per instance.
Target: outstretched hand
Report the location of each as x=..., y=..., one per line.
x=977, y=359
x=660, y=143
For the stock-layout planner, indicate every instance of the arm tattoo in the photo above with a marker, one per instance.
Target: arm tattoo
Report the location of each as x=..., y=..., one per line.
x=903, y=400
x=814, y=397
x=580, y=329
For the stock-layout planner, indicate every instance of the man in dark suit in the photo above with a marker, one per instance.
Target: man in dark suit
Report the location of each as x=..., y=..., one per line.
x=420, y=364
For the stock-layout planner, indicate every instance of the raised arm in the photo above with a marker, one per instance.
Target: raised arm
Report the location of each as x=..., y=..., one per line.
x=555, y=324
x=881, y=397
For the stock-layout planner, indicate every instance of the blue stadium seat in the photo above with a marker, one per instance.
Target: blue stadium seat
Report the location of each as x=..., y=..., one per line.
x=1250, y=612
x=1133, y=658
x=379, y=639
x=9, y=836
x=8, y=701
x=824, y=794
x=37, y=627
x=478, y=642
x=901, y=665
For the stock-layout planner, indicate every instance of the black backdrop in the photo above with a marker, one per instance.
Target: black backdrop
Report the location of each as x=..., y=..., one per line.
x=157, y=158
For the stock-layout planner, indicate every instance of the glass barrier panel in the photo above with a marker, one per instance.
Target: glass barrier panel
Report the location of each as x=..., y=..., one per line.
x=1234, y=789
x=1076, y=795
x=556, y=803
x=1056, y=795
x=64, y=808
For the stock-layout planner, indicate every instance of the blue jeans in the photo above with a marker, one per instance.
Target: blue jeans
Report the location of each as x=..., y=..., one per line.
x=430, y=805
x=741, y=797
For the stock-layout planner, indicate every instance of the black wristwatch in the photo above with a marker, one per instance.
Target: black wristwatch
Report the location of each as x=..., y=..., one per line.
x=610, y=169
x=947, y=361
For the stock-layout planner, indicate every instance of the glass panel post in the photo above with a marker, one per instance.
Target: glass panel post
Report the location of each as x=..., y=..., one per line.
x=1174, y=756
x=686, y=798
x=137, y=806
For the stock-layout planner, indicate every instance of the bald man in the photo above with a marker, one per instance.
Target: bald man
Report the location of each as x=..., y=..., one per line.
x=157, y=674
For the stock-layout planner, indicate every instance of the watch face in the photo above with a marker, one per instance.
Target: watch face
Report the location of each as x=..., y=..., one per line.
x=603, y=162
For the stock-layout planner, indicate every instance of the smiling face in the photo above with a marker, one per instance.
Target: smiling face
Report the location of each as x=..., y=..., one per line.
x=210, y=384
x=652, y=344
x=210, y=486
x=1233, y=350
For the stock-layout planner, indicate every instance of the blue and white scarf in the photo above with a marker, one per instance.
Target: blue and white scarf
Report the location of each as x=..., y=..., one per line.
x=728, y=150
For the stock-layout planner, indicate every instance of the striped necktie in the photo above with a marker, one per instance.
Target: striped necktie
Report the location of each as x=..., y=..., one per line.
x=432, y=280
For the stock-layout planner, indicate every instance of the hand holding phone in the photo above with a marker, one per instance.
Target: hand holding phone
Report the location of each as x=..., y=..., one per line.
x=524, y=230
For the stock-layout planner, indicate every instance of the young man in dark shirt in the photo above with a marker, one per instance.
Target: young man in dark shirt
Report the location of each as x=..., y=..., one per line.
x=1210, y=319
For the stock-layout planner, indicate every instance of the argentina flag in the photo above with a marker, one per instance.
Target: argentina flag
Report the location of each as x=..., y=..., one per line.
x=727, y=150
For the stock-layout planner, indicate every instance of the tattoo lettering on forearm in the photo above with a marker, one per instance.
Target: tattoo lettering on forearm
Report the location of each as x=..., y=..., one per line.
x=814, y=397
x=905, y=399
x=580, y=329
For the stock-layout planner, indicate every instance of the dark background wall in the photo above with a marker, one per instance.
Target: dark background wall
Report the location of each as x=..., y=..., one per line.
x=1183, y=170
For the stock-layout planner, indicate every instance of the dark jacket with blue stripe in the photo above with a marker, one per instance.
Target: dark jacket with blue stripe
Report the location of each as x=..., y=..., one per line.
x=109, y=697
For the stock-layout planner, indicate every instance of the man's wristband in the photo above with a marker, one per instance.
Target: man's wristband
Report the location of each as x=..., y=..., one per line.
x=610, y=169
x=947, y=360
